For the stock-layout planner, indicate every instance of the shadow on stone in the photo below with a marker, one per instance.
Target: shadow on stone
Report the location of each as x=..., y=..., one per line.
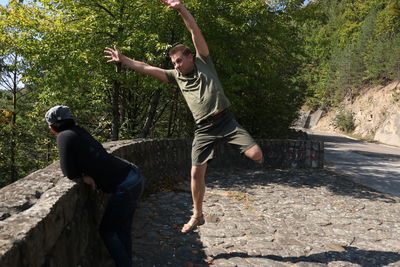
x=335, y=139
x=385, y=156
x=365, y=258
x=297, y=178
x=157, y=237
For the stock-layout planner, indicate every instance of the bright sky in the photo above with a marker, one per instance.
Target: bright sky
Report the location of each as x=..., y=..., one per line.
x=3, y=2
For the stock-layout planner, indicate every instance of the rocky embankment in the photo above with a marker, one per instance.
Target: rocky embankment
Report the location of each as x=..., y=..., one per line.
x=376, y=114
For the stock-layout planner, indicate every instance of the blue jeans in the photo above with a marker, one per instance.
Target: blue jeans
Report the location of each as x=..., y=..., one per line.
x=115, y=227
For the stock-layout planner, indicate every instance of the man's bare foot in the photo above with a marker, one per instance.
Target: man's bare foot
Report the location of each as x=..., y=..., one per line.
x=193, y=223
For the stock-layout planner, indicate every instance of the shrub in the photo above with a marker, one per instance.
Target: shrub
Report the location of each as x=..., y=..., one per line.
x=344, y=121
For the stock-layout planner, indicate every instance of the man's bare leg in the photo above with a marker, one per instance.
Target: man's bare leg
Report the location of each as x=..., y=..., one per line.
x=255, y=154
x=198, y=186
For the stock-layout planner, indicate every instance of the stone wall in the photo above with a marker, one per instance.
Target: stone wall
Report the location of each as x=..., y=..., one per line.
x=47, y=220
x=307, y=119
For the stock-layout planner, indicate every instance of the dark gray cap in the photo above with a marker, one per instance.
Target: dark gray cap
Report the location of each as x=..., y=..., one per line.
x=58, y=113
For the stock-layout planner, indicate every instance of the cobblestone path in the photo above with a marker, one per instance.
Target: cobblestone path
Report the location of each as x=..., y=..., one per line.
x=271, y=218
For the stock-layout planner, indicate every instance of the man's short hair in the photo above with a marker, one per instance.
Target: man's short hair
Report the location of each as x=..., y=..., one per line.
x=180, y=48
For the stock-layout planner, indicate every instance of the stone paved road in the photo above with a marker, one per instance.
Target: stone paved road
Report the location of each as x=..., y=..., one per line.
x=271, y=218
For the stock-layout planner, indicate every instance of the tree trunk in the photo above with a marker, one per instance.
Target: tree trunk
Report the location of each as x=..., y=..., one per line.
x=172, y=115
x=115, y=107
x=152, y=114
x=13, y=143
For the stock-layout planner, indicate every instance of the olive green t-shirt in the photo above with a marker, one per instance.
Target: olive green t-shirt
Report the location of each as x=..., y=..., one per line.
x=201, y=88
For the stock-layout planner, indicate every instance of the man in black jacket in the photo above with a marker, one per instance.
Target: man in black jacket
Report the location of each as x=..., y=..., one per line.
x=82, y=157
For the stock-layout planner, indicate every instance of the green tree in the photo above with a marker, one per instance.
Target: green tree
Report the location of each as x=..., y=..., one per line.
x=17, y=154
x=256, y=47
x=349, y=44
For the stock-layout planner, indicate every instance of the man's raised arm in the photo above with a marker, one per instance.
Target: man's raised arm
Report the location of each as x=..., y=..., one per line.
x=198, y=39
x=114, y=55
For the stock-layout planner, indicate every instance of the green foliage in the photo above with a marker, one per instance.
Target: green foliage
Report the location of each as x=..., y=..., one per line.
x=349, y=44
x=257, y=50
x=269, y=58
x=344, y=121
x=256, y=53
x=384, y=62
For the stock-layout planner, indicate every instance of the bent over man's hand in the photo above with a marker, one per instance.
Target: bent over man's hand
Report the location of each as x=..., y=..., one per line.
x=89, y=180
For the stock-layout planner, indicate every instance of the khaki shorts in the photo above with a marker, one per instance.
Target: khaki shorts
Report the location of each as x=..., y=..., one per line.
x=210, y=133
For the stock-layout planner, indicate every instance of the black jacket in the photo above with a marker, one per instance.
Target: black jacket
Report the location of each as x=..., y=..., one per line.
x=81, y=154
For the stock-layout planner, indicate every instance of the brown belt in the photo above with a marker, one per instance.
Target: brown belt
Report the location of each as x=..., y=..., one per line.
x=215, y=116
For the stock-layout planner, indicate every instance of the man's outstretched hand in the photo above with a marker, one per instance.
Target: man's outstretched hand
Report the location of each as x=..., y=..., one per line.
x=175, y=4
x=114, y=55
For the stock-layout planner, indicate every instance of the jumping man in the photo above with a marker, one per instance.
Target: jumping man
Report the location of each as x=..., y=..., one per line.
x=198, y=81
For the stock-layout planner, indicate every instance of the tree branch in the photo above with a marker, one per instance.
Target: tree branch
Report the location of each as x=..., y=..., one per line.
x=105, y=9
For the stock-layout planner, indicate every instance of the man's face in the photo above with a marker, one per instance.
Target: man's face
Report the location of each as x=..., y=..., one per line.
x=183, y=64
x=52, y=130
